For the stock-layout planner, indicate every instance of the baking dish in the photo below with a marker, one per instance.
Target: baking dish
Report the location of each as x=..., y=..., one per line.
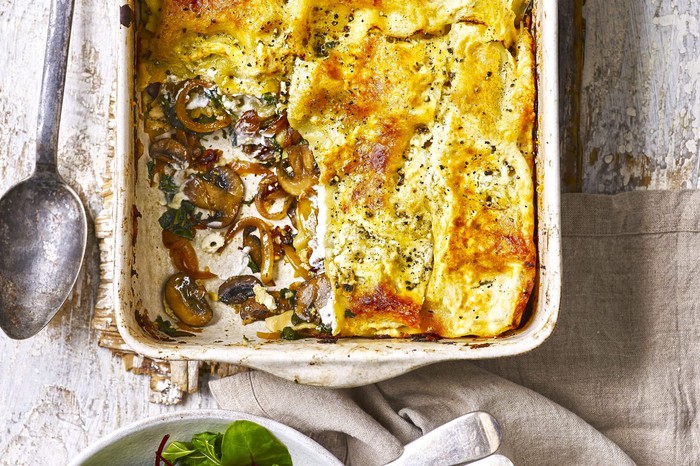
x=139, y=270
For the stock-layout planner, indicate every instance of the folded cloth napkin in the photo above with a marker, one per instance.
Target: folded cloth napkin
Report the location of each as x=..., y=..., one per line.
x=618, y=377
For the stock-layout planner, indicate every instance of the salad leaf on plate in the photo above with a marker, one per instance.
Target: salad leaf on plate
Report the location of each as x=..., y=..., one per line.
x=246, y=443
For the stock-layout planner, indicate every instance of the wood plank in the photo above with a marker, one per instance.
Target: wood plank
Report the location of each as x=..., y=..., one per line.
x=640, y=107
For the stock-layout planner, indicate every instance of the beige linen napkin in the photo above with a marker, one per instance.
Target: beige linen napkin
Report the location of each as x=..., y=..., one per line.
x=619, y=373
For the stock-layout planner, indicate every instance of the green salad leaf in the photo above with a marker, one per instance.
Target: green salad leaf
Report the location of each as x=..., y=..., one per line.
x=177, y=450
x=209, y=445
x=246, y=443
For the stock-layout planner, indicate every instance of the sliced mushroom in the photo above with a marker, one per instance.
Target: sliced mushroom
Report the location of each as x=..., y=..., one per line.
x=221, y=191
x=169, y=151
x=312, y=296
x=252, y=311
x=236, y=290
x=185, y=298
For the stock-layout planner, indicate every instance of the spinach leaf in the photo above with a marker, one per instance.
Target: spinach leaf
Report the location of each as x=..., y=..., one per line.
x=166, y=327
x=206, y=444
x=181, y=221
x=288, y=333
x=203, y=450
x=246, y=443
x=151, y=165
x=168, y=186
x=167, y=99
x=252, y=265
x=196, y=459
x=177, y=450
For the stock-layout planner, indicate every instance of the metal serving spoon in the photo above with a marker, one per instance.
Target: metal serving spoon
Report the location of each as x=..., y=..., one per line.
x=468, y=438
x=43, y=229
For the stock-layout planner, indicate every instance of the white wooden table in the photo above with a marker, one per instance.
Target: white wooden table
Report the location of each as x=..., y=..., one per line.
x=630, y=119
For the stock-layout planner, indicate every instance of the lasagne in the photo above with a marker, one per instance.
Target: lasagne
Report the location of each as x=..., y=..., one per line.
x=372, y=161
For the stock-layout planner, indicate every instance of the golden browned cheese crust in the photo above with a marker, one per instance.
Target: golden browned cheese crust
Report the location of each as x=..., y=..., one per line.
x=420, y=116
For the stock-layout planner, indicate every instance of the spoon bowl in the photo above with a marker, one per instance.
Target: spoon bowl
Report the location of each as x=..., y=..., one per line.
x=43, y=233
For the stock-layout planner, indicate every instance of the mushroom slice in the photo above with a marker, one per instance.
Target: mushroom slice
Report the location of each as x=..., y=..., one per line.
x=312, y=296
x=170, y=151
x=220, y=191
x=236, y=290
x=185, y=298
x=252, y=311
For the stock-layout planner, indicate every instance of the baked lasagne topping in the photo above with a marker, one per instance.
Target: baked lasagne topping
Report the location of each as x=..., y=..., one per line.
x=354, y=169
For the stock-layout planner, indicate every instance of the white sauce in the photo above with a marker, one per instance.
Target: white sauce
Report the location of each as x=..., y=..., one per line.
x=318, y=255
x=212, y=242
x=319, y=252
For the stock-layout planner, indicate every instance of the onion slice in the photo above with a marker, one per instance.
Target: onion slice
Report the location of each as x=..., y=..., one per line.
x=303, y=176
x=293, y=258
x=184, y=256
x=268, y=250
x=270, y=191
x=184, y=116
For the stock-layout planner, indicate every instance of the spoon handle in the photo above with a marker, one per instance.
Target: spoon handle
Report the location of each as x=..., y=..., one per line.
x=53, y=83
x=465, y=439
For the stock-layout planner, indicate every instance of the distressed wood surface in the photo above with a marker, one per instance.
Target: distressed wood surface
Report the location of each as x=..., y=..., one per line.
x=59, y=391
x=630, y=119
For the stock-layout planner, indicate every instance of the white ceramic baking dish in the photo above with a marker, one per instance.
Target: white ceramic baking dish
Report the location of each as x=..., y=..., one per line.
x=142, y=265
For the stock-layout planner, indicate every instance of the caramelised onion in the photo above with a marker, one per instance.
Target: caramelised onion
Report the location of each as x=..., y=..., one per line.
x=184, y=256
x=303, y=170
x=269, y=191
x=221, y=191
x=274, y=125
x=293, y=258
x=244, y=167
x=287, y=137
x=222, y=121
x=248, y=124
x=268, y=250
x=305, y=221
x=265, y=152
x=185, y=298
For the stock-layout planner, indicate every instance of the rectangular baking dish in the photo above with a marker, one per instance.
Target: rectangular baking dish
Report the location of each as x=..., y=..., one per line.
x=139, y=271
